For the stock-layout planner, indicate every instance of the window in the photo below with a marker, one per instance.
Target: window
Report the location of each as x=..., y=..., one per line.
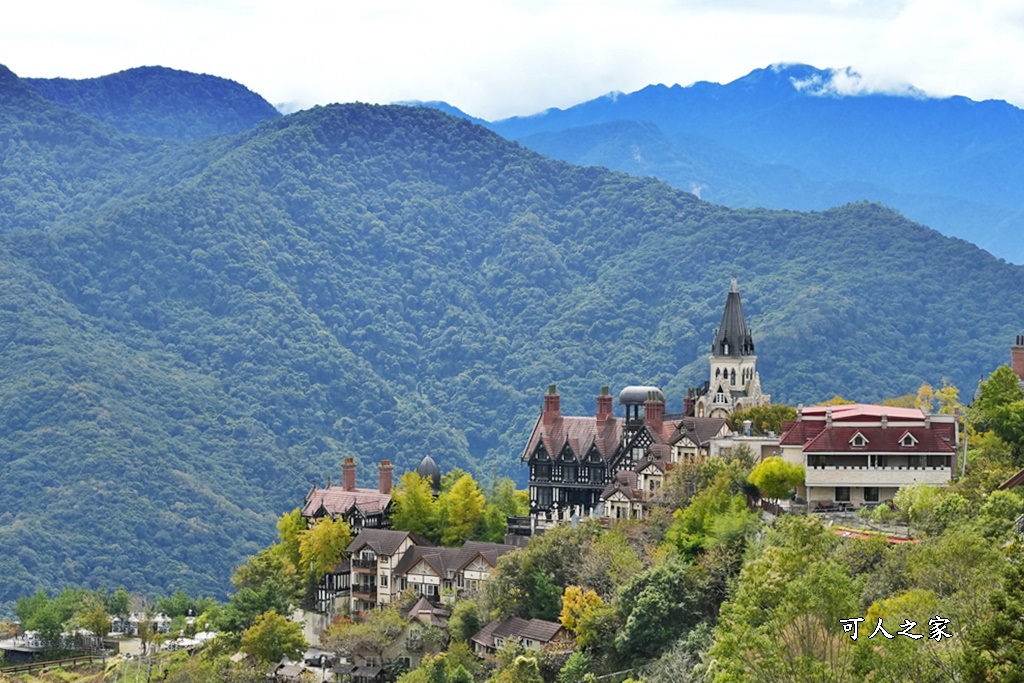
x=870, y=494
x=543, y=496
x=858, y=440
x=383, y=583
x=842, y=494
x=908, y=440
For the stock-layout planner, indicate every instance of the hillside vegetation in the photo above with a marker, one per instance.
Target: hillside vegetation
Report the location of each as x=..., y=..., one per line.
x=192, y=333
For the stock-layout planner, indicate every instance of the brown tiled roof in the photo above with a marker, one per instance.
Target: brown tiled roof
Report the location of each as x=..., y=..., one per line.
x=517, y=627
x=1014, y=481
x=624, y=481
x=700, y=430
x=441, y=560
x=335, y=501
x=437, y=616
x=485, y=636
x=490, y=552
x=383, y=541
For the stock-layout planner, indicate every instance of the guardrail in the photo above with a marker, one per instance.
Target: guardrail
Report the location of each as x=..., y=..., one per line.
x=28, y=667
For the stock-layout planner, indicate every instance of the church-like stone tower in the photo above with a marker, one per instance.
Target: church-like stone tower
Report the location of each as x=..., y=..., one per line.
x=734, y=383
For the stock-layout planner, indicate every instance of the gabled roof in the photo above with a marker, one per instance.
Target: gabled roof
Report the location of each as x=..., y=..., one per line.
x=880, y=440
x=515, y=628
x=423, y=610
x=625, y=482
x=447, y=562
x=336, y=501
x=489, y=552
x=581, y=433
x=699, y=430
x=441, y=560
x=383, y=541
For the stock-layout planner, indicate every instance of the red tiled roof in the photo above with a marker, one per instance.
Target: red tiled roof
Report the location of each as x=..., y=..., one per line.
x=336, y=501
x=880, y=440
x=582, y=432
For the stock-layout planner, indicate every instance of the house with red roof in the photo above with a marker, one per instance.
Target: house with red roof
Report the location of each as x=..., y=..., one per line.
x=359, y=507
x=857, y=454
x=578, y=464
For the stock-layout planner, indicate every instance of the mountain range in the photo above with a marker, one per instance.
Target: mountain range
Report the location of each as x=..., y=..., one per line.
x=194, y=329
x=796, y=137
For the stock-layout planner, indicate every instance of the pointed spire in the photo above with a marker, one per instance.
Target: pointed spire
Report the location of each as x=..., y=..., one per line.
x=732, y=337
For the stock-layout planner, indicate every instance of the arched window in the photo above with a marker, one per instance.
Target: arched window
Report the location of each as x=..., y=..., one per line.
x=732, y=378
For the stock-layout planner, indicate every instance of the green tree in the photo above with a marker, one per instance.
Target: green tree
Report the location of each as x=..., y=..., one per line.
x=415, y=508
x=763, y=419
x=466, y=620
x=373, y=632
x=92, y=616
x=464, y=507
x=1000, y=408
x=997, y=655
x=322, y=546
x=272, y=637
x=775, y=478
x=575, y=668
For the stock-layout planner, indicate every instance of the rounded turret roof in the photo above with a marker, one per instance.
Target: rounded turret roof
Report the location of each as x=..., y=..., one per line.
x=637, y=395
x=429, y=470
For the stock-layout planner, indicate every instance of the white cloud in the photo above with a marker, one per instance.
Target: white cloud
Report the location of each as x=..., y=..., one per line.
x=506, y=57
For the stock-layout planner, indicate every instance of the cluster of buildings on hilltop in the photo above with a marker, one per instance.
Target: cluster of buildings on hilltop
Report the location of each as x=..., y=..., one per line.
x=613, y=467
x=602, y=465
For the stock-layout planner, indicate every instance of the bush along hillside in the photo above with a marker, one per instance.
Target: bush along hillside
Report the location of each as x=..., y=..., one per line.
x=194, y=333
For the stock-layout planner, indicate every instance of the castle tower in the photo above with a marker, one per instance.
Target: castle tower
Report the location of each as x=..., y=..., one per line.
x=734, y=383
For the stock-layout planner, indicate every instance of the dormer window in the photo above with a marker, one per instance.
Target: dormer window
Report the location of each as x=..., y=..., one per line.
x=908, y=440
x=858, y=440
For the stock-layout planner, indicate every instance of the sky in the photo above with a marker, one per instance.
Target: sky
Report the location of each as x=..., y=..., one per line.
x=500, y=58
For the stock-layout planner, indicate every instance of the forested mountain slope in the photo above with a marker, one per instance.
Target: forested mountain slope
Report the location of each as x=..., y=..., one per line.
x=786, y=137
x=187, y=344
x=155, y=101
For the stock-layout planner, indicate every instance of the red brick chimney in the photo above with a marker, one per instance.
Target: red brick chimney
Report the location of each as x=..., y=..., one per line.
x=654, y=412
x=688, y=408
x=604, y=408
x=1017, y=356
x=552, y=406
x=348, y=474
x=384, y=471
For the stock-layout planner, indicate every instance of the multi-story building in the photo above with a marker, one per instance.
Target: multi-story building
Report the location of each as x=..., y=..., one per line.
x=373, y=557
x=856, y=454
x=360, y=508
x=574, y=460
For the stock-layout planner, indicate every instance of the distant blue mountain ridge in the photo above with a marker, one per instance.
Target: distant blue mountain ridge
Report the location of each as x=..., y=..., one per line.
x=797, y=137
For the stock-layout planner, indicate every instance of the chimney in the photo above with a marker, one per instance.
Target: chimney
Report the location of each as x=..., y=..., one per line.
x=654, y=412
x=688, y=407
x=1017, y=356
x=828, y=417
x=384, y=472
x=885, y=421
x=604, y=407
x=552, y=406
x=348, y=474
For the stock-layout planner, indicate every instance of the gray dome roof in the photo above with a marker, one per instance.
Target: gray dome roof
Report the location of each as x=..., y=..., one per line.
x=429, y=470
x=637, y=395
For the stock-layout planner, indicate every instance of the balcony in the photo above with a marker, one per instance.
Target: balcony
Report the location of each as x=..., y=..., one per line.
x=363, y=565
x=366, y=592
